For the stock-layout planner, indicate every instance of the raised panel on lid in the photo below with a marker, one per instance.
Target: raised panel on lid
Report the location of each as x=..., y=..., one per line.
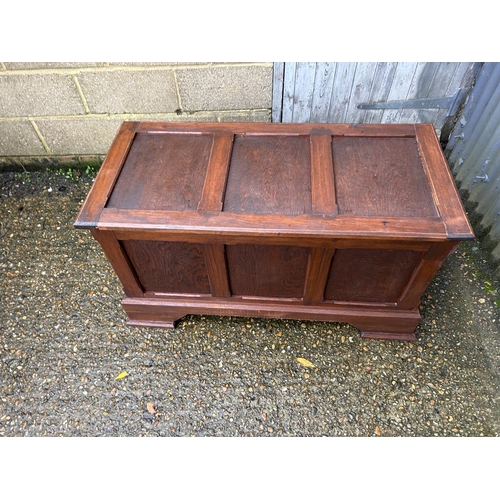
x=168, y=267
x=369, y=275
x=269, y=174
x=267, y=270
x=381, y=176
x=163, y=172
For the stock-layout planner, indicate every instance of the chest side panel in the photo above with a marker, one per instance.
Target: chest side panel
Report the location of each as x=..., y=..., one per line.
x=168, y=267
x=267, y=270
x=371, y=275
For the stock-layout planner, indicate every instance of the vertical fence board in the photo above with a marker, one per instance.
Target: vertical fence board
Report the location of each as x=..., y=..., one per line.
x=324, y=77
x=344, y=77
x=381, y=87
x=399, y=90
x=440, y=88
x=456, y=82
x=277, y=104
x=304, y=87
x=288, y=92
x=331, y=92
x=419, y=89
x=363, y=80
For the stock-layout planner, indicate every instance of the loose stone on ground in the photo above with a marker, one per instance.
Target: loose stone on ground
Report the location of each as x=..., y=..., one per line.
x=63, y=342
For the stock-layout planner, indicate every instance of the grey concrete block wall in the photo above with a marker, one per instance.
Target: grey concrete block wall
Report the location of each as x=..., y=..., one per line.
x=74, y=109
x=18, y=137
x=39, y=95
x=129, y=91
x=243, y=87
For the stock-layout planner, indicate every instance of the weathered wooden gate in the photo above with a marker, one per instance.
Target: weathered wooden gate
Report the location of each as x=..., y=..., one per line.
x=388, y=92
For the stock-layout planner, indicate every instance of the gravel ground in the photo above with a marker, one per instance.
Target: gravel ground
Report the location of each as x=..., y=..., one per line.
x=64, y=341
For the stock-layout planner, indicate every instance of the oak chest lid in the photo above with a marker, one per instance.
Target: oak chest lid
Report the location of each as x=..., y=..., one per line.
x=301, y=180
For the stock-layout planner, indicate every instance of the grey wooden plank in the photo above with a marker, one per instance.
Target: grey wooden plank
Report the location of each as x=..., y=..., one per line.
x=419, y=89
x=453, y=86
x=442, y=79
x=459, y=79
x=288, y=92
x=360, y=93
x=463, y=77
x=342, y=88
x=468, y=79
x=277, y=104
x=322, y=94
x=399, y=90
x=303, y=94
x=471, y=73
x=439, y=88
x=330, y=92
x=379, y=92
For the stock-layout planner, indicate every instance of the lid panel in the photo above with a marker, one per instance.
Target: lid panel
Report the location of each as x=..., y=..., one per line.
x=381, y=176
x=278, y=180
x=163, y=172
x=269, y=174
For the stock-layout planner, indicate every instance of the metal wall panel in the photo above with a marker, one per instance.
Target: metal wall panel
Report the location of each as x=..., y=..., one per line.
x=473, y=153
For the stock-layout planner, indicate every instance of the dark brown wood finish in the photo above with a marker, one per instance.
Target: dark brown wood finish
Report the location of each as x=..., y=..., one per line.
x=217, y=171
x=215, y=258
x=372, y=322
x=267, y=270
x=370, y=275
x=170, y=267
x=108, y=174
x=302, y=226
x=120, y=262
x=322, y=177
x=336, y=129
x=328, y=222
x=391, y=168
x=317, y=273
x=424, y=274
x=444, y=191
x=269, y=175
x=163, y=172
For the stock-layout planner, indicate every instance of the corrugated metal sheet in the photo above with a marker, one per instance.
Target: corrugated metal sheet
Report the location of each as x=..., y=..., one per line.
x=473, y=154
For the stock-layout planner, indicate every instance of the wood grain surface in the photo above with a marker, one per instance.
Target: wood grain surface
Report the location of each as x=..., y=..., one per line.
x=301, y=227
x=267, y=270
x=269, y=175
x=163, y=172
x=108, y=174
x=323, y=197
x=171, y=267
x=370, y=275
x=381, y=177
x=443, y=188
x=217, y=171
x=334, y=222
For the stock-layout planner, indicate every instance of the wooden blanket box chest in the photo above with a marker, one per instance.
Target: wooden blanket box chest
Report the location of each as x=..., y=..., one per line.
x=329, y=222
